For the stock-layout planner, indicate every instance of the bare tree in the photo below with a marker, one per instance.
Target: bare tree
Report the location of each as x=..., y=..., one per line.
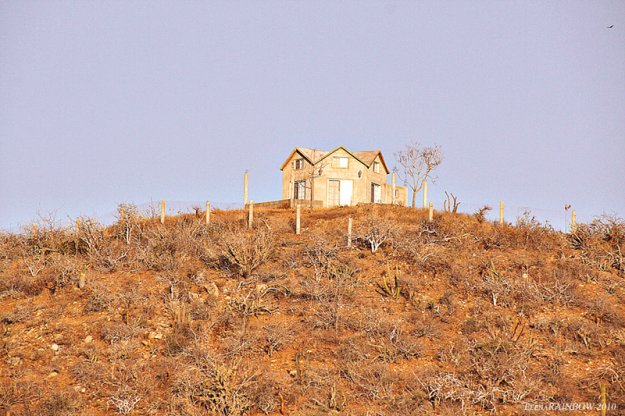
x=416, y=164
x=313, y=171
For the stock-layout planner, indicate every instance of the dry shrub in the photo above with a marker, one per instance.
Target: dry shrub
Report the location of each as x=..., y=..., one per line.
x=530, y=233
x=17, y=392
x=59, y=403
x=14, y=284
x=99, y=298
x=158, y=250
x=275, y=336
x=129, y=225
x=375, y=230
x=216, y=385
x=102, y=252
x=602, y=243
x=371, y=381
x=12, y=247
x=246, y=249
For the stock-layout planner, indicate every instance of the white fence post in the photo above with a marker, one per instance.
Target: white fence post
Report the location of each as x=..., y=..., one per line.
x=297, y=218
x=349, y=232
x=250, y=213
x=245, y=183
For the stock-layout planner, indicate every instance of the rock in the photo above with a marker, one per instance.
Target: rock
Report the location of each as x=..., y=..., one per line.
x=14, y=361
x=88, y=339
x=82, y=280
x=293, y=373
x=55, y=347
x=53, y=374
x=158, y=336
x=212, y=289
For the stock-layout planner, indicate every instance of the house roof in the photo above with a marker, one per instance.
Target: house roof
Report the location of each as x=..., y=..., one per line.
x=314, y=156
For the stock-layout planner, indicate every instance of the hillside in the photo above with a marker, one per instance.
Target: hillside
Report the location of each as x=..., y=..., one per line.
x=454, y=316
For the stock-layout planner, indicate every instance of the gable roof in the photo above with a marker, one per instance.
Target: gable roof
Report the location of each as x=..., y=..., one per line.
x=314, y=156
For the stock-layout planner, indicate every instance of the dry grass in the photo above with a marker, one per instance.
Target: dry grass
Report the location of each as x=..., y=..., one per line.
x=454, y=316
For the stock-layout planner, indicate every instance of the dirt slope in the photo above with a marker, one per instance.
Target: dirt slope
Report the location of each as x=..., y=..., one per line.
x=456, y=316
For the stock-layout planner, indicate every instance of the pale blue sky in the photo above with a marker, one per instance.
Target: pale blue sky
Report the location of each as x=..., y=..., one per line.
x=103, y=102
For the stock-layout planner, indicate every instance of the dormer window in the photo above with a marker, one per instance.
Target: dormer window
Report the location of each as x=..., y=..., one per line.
x=376, y=167
x=299, y=164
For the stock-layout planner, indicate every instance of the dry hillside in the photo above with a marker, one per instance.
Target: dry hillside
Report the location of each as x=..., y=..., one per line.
x=456, y=316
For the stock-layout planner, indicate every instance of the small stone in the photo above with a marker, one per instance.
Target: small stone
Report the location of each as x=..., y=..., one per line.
x=293, y=373
x=55, y=347
x=212, y=289
x=158, y=336
x=82, y=280
x=88, y=339
x=53, y=374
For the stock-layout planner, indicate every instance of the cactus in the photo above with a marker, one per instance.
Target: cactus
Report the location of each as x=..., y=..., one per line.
x=451, y=203
x=392, y=290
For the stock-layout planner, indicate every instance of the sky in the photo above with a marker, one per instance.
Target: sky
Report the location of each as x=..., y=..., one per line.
x=107, y=102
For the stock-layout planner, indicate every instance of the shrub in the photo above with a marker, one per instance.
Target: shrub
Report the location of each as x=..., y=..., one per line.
x=246, y=249
x=375, y=231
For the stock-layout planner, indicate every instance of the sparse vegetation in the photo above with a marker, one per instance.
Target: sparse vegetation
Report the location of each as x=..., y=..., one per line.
x=453, y=316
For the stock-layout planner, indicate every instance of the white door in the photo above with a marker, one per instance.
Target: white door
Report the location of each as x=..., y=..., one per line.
x=345, y=191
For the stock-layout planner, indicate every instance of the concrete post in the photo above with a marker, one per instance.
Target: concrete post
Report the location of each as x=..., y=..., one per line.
x=425, y=194
x=245, y=182
x=349, y=232
x=163, y=211
x=431, y=212
x=501, y=212
x=208, y=212
x=297, y=218
x=292, y=186
x=393, y=198
x=573, y=221
x=250, y=214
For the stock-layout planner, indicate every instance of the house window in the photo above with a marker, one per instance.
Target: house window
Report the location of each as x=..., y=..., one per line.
x=300, y=190
x=299, y=164
x=340, y=162
x=376, y=193
x=376, y=167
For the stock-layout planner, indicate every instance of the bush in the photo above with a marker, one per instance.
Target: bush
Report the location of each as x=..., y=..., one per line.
x=246, y=249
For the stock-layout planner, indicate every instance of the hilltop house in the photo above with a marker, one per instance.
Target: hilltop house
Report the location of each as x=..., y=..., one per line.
x=339, y=177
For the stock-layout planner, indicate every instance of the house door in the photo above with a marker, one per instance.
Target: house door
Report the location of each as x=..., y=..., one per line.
x=376, y=193
x=334, y=186
x=345, y=191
